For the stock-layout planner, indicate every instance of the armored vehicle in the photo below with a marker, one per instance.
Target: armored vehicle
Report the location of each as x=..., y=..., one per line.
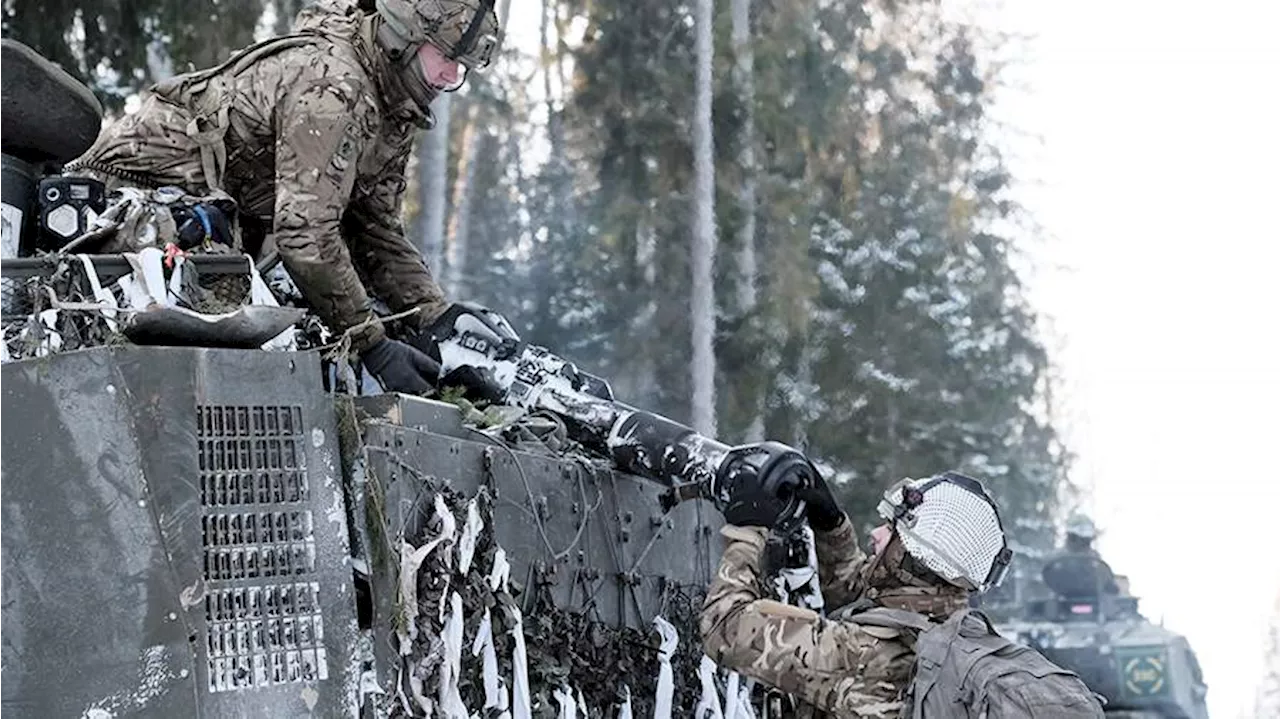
x=197, y=531
x=1143, y=670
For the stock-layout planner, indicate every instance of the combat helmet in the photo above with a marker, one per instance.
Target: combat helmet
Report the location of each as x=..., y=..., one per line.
x=950, y=524
x=465, y=31
x=1079, y=525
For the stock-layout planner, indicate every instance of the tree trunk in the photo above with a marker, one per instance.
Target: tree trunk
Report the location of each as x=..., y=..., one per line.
x=286, y=11
x=645, y=390
x=459, y=221
x=744, y=82
x=704, y=232
x=445, y=235
x=433, y=167
x=803, y=379
x=1268, y=696
x=555, y=119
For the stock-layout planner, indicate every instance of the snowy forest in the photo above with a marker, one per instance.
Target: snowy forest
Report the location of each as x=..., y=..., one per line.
x=778, y=219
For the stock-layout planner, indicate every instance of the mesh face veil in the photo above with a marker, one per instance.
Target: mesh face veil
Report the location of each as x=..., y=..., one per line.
x=950, y=524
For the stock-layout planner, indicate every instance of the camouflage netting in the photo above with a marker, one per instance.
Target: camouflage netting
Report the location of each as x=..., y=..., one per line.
x=34, y=326
x=565, y=649
x=58, y=311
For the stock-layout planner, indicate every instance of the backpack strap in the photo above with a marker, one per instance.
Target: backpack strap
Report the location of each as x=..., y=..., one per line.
x=945, y=656
x=892, y=618
x=846, y=612
x=206, y=89
x=971, y=612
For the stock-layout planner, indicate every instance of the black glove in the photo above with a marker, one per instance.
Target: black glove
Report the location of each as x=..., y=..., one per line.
x=400, y=368
x=478, y=382
x=754, y=506
x=757, y=485
x=821, y=508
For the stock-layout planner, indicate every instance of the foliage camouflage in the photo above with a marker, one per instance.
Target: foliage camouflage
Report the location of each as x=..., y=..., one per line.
x=564, y=648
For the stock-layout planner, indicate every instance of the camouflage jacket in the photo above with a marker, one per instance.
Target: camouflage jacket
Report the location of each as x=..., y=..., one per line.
x=310, y=134
x=840, y=668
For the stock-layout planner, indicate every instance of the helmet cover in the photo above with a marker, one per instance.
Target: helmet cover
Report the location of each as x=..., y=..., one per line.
x=950, y=524
x=466, y=31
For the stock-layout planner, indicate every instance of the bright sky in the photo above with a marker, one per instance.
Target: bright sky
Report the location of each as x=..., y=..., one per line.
x=1155, y=176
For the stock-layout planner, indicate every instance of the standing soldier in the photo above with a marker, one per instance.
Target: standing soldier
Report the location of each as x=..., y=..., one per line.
x=310, y=133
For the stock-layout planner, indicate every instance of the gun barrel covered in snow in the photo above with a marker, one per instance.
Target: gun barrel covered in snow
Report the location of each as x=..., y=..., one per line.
x=479, y=344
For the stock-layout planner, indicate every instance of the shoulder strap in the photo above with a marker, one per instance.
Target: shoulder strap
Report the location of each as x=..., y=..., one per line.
x=242, y=59
x=939, y=660
x=971, y=612
x=204, y=89
x=892, y=618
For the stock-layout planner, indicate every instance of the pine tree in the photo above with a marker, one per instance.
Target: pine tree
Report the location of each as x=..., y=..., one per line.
x=901, y=345
x=703, y=322
x=747, y=264
x=107, y=44
x=627, y=131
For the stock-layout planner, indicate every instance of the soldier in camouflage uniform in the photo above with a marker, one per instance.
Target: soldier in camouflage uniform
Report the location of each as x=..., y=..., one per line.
x=837, y=667
x=309, y=133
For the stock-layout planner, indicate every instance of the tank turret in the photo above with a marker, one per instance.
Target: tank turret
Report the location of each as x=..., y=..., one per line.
x=1143, y=670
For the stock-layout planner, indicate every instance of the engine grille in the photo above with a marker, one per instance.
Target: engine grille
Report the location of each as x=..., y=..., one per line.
x=262, y=605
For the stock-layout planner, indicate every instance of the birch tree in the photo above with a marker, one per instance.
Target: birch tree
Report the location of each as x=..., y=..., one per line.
x=433, y=168
x=744, y=83
x=703, y=323
x=1267, y=703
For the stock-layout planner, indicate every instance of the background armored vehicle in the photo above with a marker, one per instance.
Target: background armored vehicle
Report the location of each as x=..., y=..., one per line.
x=1143, y=670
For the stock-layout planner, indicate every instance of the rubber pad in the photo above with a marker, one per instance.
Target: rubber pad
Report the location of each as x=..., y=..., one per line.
x=46, y=114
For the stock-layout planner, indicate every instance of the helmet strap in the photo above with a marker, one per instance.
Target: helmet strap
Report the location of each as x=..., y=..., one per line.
x=469, y=36
x=391, y=37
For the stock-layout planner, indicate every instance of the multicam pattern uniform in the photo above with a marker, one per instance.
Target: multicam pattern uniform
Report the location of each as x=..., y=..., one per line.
x=310, y=134
x=841, y=668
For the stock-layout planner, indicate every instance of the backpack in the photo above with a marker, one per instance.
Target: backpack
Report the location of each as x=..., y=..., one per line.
x=965, y=670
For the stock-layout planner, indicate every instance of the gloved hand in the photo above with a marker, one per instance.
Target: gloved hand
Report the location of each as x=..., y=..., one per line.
x=478, y=383
x=752, y=505
x=400, y=368
x=483, y=324
x=821, y=508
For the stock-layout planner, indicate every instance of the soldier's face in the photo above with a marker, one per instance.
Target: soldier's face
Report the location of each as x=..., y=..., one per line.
x=439, y=71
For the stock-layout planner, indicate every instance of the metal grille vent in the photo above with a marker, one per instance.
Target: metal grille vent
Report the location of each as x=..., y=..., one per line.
x=262, y=613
